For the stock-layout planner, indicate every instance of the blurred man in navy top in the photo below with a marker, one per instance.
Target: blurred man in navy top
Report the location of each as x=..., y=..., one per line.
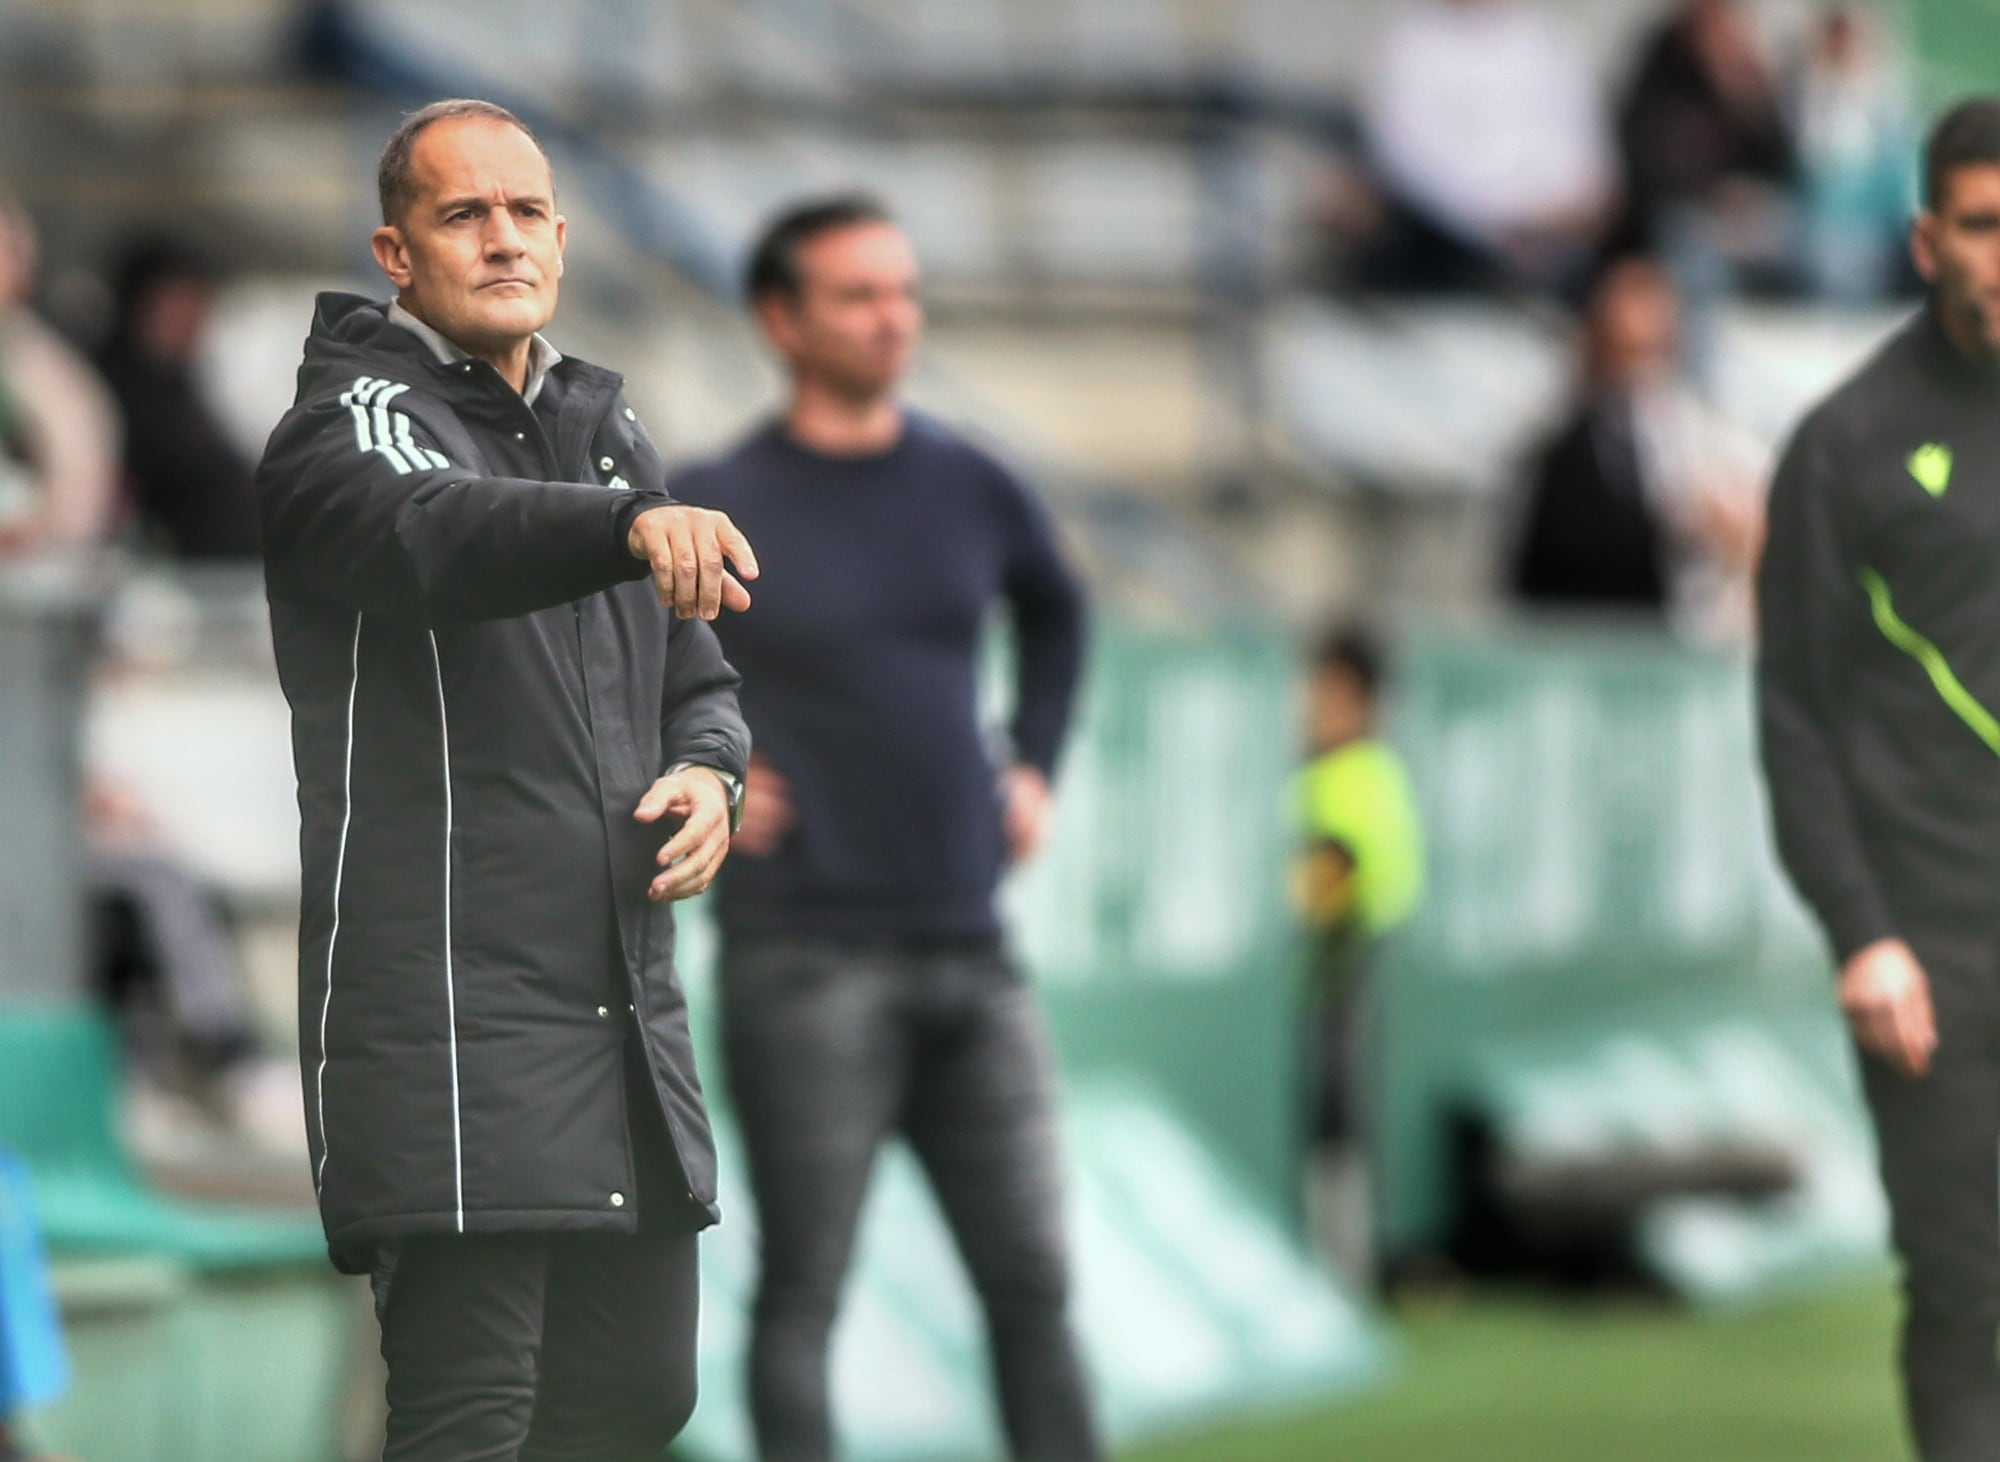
x=866, y=989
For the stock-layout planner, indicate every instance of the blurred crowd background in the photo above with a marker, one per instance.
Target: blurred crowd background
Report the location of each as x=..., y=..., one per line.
x=1403, y=372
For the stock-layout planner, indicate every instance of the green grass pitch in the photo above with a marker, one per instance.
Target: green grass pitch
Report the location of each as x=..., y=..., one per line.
x=1497, y=1379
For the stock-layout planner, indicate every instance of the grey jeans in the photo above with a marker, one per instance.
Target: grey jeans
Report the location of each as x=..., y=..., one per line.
x=831, y=1048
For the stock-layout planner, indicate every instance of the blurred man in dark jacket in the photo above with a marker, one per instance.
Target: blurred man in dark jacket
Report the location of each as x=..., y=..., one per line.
x=1643, y=499
x=188, y=480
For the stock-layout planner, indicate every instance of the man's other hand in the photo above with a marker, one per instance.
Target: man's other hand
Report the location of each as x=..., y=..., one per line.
x=1028, y=812
x=1887, y=1000
x=690, y=858
x=767, y=809
x=689, y=550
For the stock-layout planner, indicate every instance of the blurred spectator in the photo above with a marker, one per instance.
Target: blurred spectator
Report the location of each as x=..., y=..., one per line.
x=190, y=483
x=1359, y=875
x=1644, y=498
x=58, y=428
x=1708, y=157
x=1492, y=150
x=1851, y=117
x=165, y=966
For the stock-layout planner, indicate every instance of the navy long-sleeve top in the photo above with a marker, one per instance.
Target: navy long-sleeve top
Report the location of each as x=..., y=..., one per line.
x=860, y=662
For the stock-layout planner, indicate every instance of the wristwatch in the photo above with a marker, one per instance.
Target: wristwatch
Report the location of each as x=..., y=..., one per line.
x=731, y=783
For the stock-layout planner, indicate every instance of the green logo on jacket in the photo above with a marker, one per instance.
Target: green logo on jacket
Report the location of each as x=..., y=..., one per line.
x=1930, y=464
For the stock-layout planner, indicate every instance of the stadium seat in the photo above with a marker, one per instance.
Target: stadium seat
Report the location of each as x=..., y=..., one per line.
x=1362, y=392
x=729, y=181
x=635, y=54
x=943, y=192
x=1359, y=391
x=936, y=45
x=1114, y=211
x=57, y=1110
x=201, y=1330
x=1121, y=43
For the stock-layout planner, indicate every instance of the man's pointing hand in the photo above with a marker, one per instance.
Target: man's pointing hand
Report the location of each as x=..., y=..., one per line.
x=689, y=550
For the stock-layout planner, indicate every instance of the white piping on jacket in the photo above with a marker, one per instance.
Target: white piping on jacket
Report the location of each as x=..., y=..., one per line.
x=450, y=992
x=339, y=872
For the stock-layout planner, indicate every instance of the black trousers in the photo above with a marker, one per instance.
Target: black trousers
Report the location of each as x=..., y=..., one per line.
x=831, y=1049
x=1939, y=1137
x=547, y=1347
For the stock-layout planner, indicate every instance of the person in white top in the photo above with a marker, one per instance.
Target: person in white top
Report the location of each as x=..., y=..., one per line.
x=1484, y=122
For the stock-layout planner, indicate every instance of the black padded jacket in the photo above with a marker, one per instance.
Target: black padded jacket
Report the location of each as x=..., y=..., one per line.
x=1879, y=663
x=482, y=686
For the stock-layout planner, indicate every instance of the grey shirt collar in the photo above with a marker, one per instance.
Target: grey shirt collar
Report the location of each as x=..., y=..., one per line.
x=541, y=355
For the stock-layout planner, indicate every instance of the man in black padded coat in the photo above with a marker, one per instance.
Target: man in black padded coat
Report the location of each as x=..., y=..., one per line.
x=495, y=726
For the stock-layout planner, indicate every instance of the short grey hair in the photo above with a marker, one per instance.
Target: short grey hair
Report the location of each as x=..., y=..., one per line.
x=392, y=177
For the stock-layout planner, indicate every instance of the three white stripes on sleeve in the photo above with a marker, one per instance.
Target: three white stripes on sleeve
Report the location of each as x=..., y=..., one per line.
x=378, y=429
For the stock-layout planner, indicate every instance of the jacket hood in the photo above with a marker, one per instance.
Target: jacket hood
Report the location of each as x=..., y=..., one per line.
x=351, y=333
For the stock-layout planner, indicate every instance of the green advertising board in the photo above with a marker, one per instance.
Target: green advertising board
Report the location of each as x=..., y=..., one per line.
x=1957, y=46
x=1609, y=973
